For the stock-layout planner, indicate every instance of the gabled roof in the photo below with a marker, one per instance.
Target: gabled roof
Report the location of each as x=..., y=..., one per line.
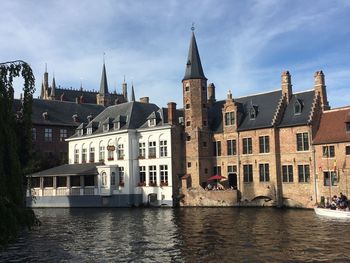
x=332, y=127
x=69, y=169
x=60, y=112
x=306, y=99
x=194, y=68
x=264, y=104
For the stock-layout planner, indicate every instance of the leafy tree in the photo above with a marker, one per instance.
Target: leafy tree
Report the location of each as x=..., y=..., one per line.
x=15, y=148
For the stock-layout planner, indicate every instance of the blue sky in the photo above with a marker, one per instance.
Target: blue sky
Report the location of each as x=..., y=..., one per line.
x=244, y=45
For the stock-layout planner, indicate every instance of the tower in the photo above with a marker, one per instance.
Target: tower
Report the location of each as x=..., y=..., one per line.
x=125, y=90
x=53, y=89
x=102, y=96
x=198, y=143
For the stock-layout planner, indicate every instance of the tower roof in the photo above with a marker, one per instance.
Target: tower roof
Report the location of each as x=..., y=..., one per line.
x=104, y=85
x=194, y=68
x=132, y=93
x=53, y=88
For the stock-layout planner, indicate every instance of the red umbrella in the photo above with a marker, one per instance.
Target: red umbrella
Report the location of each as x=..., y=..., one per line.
x=216, y=177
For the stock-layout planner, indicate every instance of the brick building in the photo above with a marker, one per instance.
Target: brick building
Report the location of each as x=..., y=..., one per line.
x=262, y=143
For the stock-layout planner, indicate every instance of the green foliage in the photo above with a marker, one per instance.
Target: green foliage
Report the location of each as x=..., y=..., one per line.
x=15, y=147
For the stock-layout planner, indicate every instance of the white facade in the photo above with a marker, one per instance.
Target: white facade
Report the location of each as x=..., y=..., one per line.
x=129, y=162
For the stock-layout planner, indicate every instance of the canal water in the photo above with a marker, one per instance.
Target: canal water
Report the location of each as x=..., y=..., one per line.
x=182, y=235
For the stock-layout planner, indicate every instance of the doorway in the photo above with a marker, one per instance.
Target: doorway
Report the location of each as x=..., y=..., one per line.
x=232, y=180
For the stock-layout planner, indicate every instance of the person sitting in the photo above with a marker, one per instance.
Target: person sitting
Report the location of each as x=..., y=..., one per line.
x=343, y=201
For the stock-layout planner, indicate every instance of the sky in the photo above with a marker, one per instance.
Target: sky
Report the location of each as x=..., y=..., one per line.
x=244, y=45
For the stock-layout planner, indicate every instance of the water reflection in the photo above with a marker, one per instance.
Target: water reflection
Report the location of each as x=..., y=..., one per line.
x=181, y=235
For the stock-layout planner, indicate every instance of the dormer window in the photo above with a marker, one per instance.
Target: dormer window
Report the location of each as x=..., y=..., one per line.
x=229, y=118
x=80, y=132
x=252, y=113
x=89, y=130
x=297, y=107
x=105, y=127
x=117, y=125
x=152, y=122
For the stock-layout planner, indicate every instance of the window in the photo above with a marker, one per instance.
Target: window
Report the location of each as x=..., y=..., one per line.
x=264, y=144
x=163, y=175
x=232, y=169
x=121, y=175
x=152, y=149
x=89, y=180
x=252, y=113
x=61, y=181
x=142, y=150
x=106, y=127
x=287, y=173
x=188, y=106
x=204, y=144
x=187, y=88
x=80, y=132
x=76, y=155
x=142, y=176
x=116, y=125
x=328, y=151
x=347, y=150
x=152, y=175
x=92, y=155
x=217, y=170
x=84, y=155
x=89, y=130
x=204, y=123
x=189, y=164
x=204, y=105
x=163, y=148
x=113, y=178
x=297, y=107
x=120, y=151
x=104, y=179
x=63, y=134
x=264, y=173
x=188, y=123
x=231, y=147
x=327, y=177
x=302, y=141
x=102, y=153
x=48, y=135
x=348, y=126
x=247, y=173
x=48, y=181
x=217, y=148
x=75, y=180
x=229, y=118
x=188, y=138
x=152, y=122
x=110, y=153
x=33, y=134
x=247, y=146
x=304, y=173
x=35, y=182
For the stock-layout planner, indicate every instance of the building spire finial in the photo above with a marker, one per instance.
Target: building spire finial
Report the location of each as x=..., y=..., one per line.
x=192, y=27
x=104, y=54
x=45, y=67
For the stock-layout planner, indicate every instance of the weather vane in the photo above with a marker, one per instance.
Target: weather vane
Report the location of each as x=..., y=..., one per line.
x=192, y=28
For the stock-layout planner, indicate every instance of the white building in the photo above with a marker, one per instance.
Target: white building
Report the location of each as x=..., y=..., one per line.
x=123, y=157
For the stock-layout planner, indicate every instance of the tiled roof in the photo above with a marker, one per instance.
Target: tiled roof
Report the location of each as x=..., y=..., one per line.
x=194, y=68
x=332, y=127
x=60, y=112
x=69, y=169
x=306, y=99
x=264, y=104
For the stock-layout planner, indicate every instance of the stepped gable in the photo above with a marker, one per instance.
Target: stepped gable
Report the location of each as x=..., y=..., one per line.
x=263, y=104
x=61, y=112
x=333, y=126
x=306, y=100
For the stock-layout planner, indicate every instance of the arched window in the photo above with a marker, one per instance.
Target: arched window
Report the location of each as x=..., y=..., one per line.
x=110, y=150
x=92, y=153
x=297, y=107
x=76, y=154
x=84, y=154
x=102, y=150
x=104, y=179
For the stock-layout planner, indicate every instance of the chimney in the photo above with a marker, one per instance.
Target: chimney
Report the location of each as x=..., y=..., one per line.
x=320, y=89
x=45, y=115
x=229, y=96
x=211, y=93
x=144, y=99
x=75, y=117
x=171, y=112
x=89, y=118
x=286, y=84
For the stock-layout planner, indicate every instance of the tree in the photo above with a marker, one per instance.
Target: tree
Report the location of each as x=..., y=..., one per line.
x=15, y=147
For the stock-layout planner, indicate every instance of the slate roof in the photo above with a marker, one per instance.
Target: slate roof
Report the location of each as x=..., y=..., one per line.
x=332, y=127
x=264, y=104
x=60, y=112
x=306, y=99
x=104, y=85
x=69, y=169
x=194, y=68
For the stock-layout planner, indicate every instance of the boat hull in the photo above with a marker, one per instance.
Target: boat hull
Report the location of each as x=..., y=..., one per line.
x=332, y=213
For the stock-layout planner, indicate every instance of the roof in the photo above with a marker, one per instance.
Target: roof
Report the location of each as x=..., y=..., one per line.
x=194, y=68
x=60, y=112
x=104, y=85
x=69, y=169
x=264, y=105
x=306, y=100
x=332, y=127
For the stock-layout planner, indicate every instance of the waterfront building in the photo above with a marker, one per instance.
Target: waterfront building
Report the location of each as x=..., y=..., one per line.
x=260, y=142
x=332, y=150
x=128, y=155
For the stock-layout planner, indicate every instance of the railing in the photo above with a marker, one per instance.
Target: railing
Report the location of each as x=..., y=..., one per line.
x=47, y=192
x=75, y=191
x=89, y=191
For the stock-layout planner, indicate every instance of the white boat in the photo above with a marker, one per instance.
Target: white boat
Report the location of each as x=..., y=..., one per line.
x=332, y=213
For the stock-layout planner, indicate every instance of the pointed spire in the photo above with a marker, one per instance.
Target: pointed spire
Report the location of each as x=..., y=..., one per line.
x=132, y=93
x=104, y=85
x=194, y=68
x=53, y=88
x=42, y=93
x=125, y=90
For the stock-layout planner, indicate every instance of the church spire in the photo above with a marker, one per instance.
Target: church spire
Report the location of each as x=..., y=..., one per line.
x=194, y=68
x=53, y=88
x=132, y=93
x=104, y=85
